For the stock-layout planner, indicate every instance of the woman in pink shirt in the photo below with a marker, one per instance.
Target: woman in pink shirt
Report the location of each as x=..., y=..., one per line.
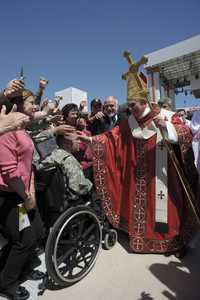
x=16, y=186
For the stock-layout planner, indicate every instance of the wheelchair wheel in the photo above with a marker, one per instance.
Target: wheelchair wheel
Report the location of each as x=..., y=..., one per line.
x=73, y=245
x=110, y=239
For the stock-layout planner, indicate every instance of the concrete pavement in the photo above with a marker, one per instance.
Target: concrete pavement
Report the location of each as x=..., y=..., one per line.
x=119, y=275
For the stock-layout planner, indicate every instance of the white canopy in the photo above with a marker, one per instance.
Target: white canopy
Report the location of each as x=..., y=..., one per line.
x=177, y=63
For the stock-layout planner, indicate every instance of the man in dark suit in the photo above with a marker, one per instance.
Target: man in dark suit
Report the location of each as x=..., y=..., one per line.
x=108, y=118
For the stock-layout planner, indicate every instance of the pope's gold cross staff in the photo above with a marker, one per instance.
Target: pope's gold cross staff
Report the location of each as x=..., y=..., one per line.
x=132, y=77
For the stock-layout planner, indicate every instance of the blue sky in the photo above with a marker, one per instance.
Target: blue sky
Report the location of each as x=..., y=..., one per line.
x=80, y=43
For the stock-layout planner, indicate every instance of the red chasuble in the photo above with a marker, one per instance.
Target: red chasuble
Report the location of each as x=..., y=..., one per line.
x=124, y=169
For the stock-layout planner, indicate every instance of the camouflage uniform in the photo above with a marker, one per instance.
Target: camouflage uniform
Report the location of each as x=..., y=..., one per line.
x=77, y=183
x=47, y=156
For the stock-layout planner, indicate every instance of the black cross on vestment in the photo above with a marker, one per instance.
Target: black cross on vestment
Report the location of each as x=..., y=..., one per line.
x=161, y=195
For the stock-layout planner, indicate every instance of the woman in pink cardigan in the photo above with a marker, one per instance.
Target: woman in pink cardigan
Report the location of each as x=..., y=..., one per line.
x=17, y=187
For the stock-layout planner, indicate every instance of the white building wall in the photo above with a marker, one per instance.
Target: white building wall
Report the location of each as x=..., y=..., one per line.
x=72, y=95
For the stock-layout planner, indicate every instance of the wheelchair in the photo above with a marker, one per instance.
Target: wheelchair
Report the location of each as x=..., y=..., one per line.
x=77, y=230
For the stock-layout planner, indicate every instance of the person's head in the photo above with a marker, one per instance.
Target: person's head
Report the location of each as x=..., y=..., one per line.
x=70, y=113
x=110, y=106
x=25, y=103
x=81, y=123
x=137, y=107
x=68, y=143
x=165, y=103
x=96, y=105
x=29, y=106
x=189, y=115
x=181, y=113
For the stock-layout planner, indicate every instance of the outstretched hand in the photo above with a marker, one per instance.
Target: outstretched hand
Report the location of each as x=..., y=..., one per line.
x=99, y=115
x=12, y=121
x=14, y=88
x=64, y=129
x=160, y=122
x=79, y=135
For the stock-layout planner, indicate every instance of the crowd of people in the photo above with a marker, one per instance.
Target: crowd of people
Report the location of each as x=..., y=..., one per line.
x=115, y=151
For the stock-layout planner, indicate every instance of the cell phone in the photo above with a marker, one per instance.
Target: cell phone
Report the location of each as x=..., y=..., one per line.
x=21, y=77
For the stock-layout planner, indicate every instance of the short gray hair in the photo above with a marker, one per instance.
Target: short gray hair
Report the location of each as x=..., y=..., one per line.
x=111, y=98
x=166, y=100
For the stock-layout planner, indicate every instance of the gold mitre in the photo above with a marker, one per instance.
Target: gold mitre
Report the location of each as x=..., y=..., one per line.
x=137, y=83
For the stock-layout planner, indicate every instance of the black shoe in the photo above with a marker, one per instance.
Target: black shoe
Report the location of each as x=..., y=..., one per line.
x=35, y=275
x=20, y=294
x=181, y=253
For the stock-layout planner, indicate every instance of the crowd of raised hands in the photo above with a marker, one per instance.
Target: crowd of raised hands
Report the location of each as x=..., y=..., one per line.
x=14, y=119
x=49, y=112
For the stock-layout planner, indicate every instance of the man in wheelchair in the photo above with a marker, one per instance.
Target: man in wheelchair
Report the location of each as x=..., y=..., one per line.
x=73, y=218
x=64, y=197
x=59, y=180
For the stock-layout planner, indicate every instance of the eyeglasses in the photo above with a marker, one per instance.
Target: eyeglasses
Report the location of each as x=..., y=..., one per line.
x=131, y=105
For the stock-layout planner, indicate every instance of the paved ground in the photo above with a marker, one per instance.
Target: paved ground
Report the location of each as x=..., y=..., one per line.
x=119, y=275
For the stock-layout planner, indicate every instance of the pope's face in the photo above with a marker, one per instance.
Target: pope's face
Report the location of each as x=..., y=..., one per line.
x=137, y=108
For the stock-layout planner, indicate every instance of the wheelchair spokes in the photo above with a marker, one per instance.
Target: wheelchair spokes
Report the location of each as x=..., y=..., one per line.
x=77, y=240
